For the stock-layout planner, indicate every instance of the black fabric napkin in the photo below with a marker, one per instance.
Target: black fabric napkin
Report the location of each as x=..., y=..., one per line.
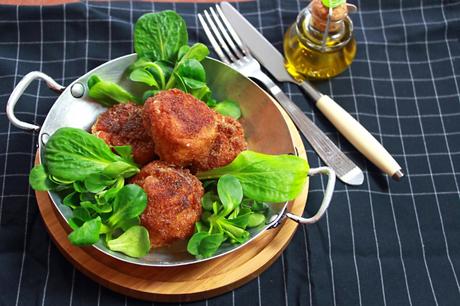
x=382, y=243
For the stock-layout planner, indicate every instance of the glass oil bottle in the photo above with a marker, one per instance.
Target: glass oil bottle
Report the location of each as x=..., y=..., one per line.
x=320, y=44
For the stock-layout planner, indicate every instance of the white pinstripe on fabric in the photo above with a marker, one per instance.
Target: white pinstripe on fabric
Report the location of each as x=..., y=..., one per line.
x=371, y=203
x=64, y=44
x=45, y=286
x=395, y=79
x=408, y=174
x=408, y=194
x=397, y=25
x=307, y=264
x=18, y=293
x=16, y=153
x=259, y=296
x=63, y=78
x=132, y=24
x=390, y=43
x=285, y=275
x=391, y=202
x=329, y=245
x=5, y=164
x=329, y=240
x=87, y=36
x=16, y=196
x=98, y=300
x=72, y=285
x=97, y=20
x=350, y=210
x=31, y=164
x=405, y=116
x=47, y=271
x=259, y=17
x=109, y=13
x=58, y=42
x=286, y=296
x=392, y=61
x=307, y=257
x=361, y=95
x=267, y=11
x=92, y=20
x=448, y=150
x=401, y=257
x=408, y=9
x=197, y=29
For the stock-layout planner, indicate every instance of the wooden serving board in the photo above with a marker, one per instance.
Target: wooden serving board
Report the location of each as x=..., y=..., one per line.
x=178, y=284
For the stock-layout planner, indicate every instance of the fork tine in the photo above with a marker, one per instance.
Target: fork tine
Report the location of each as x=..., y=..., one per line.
x=232, y=32
x=224, y=32
x=219, y=37
x=213, y=41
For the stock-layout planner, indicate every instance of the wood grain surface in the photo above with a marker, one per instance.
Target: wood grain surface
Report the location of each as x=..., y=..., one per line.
x=178, y=284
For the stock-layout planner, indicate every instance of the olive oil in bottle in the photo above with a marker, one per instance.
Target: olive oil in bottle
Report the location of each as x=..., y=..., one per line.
x=320, y=44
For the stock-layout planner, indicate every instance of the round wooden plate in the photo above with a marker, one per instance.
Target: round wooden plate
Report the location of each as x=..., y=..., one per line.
x=185, y=283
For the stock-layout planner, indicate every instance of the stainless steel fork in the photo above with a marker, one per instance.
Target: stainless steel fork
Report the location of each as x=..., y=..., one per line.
x=232, y=51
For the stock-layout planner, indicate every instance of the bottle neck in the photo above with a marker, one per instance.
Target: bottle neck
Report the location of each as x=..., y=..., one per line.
x=321, y=30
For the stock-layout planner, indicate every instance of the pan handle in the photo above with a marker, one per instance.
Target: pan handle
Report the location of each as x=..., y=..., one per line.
x=19, y=90
x=326, y=198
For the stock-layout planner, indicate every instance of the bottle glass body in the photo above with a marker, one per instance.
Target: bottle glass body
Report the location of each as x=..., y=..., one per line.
x=311, y=52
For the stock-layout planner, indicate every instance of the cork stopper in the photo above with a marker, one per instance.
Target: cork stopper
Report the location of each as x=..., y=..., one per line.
x=320, y=12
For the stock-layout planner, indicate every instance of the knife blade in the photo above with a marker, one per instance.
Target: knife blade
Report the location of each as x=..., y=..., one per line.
x=349, y=127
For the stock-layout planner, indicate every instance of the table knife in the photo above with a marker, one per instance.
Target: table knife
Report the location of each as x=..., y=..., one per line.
x=349, y=127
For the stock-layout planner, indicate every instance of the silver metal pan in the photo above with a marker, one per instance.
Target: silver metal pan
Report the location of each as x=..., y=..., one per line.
x=265, y=129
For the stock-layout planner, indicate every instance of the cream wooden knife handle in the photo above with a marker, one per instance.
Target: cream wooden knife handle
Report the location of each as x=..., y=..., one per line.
x=355, y=133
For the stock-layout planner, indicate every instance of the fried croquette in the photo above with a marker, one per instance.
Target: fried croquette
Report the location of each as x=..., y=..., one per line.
x=187, y=133
x=122, y=124
x=174, y=202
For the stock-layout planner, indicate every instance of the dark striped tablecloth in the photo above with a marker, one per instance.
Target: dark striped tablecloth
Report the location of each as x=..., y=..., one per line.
x=382, y=243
